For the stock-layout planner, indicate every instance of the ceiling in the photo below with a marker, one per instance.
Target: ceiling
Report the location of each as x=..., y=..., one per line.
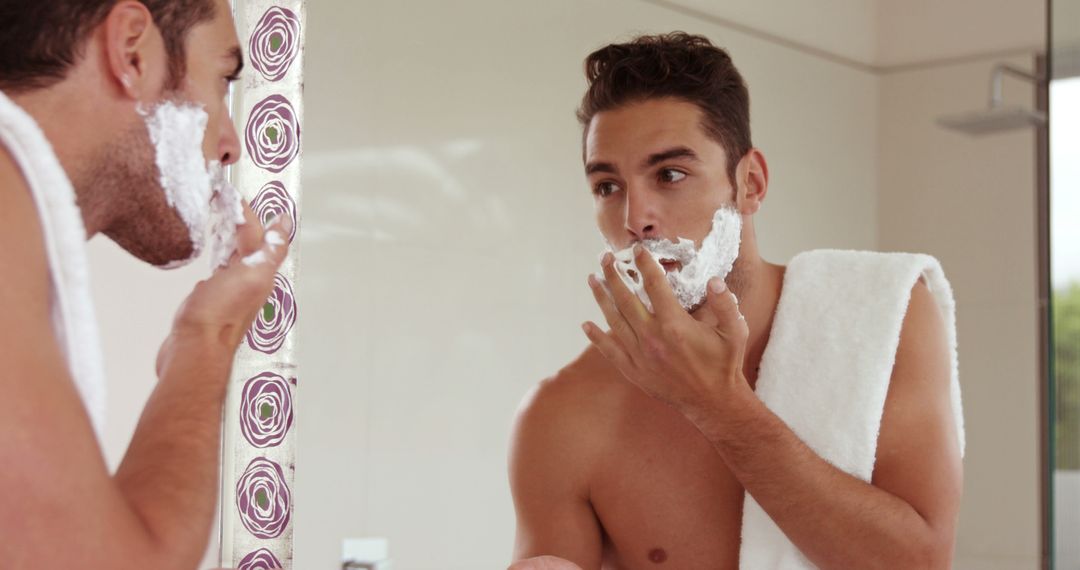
x=885, y=34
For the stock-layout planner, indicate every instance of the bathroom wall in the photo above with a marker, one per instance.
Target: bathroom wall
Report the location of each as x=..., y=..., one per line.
x=971, y=202
x=923, y=31
x=844, y=28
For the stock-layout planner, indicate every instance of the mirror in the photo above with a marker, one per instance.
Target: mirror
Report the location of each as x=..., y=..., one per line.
x=448, y=229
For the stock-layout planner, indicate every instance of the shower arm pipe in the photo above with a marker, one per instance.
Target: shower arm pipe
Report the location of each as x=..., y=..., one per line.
x=997, y=79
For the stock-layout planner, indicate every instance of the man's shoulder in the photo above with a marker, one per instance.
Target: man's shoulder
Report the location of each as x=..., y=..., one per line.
x=577, y=392
x=570, y=409
x=11, y=176
x=23, y=260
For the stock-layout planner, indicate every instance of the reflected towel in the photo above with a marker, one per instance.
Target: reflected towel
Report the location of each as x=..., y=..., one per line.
x=826, y=368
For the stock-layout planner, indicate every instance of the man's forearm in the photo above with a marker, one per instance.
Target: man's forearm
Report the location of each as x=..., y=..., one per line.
x=169, y=474
x=834, y=518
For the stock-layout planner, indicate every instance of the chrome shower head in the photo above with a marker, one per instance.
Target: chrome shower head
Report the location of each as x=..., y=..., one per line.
x=999, y=117
x=993, y=120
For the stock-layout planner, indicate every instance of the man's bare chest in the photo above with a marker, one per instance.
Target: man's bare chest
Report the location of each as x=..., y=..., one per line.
x=665, y=498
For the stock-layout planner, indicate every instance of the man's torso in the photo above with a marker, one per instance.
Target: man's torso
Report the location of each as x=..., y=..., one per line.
x=660, y=492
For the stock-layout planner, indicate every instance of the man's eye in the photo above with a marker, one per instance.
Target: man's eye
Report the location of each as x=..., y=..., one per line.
x=605, y=189
x=671, y=175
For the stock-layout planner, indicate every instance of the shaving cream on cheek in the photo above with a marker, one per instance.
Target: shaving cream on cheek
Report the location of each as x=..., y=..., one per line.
x=717, y=255
x=202, y=196
x=177, y=131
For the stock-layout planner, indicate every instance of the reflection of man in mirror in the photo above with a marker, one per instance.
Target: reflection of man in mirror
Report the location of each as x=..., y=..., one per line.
x=732, y=415
x=112, y=115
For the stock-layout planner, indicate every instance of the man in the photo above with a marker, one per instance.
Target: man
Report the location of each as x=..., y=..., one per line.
x=642, y=452
x=87, y=75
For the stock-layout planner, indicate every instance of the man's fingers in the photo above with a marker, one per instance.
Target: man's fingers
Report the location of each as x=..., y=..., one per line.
x=657, y=287
x=607, y=346
x=276, y=239
x=625, y=300
x=249, y=235
x=250, y=279
x=721, y=310
x=622, y=329
x=274, y=248
x=544, y=563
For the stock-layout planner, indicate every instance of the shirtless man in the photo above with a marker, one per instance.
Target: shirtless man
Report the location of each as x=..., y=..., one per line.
x=80, y=70
x=638, y=454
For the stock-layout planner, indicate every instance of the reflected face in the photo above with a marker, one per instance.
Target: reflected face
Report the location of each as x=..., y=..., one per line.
x=150, y=228
x=654, y=172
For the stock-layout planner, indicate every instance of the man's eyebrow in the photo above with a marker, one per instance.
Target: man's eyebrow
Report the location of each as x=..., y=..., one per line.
x=237, y=54
x=600, y=167
x=676, y=152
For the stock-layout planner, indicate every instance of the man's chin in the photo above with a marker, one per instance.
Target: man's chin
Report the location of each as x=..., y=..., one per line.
x=163, y=254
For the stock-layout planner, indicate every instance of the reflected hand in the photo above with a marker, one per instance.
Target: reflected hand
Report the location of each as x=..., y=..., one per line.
x=685, y=361
x=220, y=309
x=544, y=563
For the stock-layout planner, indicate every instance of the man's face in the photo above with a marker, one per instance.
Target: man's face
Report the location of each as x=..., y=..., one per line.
x=654, y=173
x=150, y=228
x=213, y=61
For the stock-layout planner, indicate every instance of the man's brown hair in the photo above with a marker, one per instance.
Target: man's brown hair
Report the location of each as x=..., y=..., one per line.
x=679, y=65
x=41, y=39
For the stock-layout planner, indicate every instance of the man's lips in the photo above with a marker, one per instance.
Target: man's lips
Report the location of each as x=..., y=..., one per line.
x=670, y=265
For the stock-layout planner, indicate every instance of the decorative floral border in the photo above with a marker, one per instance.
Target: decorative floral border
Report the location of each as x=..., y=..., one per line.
x=258, y=459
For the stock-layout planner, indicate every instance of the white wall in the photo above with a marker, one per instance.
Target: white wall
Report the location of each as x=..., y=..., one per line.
x=927, y=30
x=845, y=28
x=971, y=202
x=886, y=34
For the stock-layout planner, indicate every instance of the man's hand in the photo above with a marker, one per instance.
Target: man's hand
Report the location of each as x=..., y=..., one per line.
x=685, y=361
x=544, y=563
x=221, y=308
x=176, y=445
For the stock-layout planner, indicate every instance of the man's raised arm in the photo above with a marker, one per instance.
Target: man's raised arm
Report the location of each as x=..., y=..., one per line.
x=549, y=485
x=59, y=506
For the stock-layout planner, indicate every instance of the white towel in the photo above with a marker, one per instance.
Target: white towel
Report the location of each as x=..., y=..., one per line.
x=65, y=244
x=826, y=368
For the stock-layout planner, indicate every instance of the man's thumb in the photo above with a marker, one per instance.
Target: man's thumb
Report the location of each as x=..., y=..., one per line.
x=721, y=306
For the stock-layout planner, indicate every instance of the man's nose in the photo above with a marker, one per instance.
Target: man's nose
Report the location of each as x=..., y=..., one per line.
x=229, y=144
x=641, y=214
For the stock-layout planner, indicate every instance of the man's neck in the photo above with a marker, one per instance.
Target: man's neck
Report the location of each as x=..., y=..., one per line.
x=75, y=131
x=757, y=284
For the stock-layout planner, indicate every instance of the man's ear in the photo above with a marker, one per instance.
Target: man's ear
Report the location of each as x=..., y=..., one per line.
x=752, y=177
x=134, y=50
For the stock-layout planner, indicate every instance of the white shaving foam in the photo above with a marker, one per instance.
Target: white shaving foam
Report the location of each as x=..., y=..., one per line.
x=717, y=255
x=226, y=213
x=272, y=239
x=202, y=196
x=257, y=258
x=177, y=131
